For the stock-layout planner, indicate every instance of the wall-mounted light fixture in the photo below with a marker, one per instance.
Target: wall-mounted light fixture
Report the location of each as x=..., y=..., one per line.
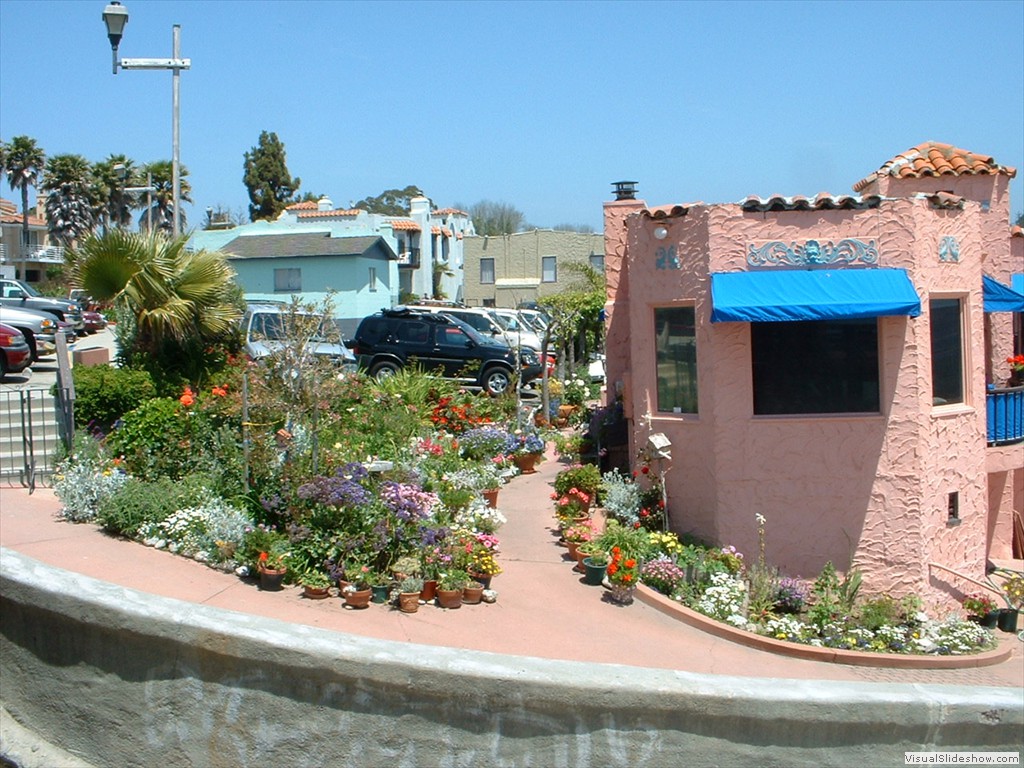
x=660, y=232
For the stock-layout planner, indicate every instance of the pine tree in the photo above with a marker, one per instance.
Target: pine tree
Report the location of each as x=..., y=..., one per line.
x=271, y=187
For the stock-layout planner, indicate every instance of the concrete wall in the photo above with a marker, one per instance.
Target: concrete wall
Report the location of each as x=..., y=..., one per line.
x=122, y=678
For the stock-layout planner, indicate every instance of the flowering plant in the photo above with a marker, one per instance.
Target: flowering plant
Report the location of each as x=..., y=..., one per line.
x=483, y=563
x=1016, y=370
x=622, y=570
x=572, y=503
x=978, y=604
x=585, y=477
x=580, y=533
x=1013, y=588
x=528, y=443
x=487, y=442
x=663, y=575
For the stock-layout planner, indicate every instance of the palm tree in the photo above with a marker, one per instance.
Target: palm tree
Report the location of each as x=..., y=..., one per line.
x=67, y=181
x=23, y=162
x=110, y=177
x=163, y=195
x=175, y=297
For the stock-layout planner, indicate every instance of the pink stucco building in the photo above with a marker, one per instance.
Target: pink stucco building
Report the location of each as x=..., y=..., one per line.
x=826, y=362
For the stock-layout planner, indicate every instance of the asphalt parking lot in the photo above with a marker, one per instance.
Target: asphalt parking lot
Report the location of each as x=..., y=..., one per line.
x=43, y=373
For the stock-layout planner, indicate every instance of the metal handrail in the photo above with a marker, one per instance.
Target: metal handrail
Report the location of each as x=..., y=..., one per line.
x=1004, y=408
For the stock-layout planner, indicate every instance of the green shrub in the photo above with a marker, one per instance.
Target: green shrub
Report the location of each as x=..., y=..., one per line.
x=585, y=477
x=103, y=394
x=138, y=502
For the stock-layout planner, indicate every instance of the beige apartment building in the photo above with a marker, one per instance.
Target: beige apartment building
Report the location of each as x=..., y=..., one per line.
x=504, y=270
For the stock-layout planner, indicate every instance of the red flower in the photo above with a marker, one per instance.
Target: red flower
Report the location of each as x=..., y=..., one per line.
x=636, y=524
x=645, y=469
x=264, y=557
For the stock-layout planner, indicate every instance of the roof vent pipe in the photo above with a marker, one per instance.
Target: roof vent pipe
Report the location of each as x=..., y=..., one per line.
x=625, y=190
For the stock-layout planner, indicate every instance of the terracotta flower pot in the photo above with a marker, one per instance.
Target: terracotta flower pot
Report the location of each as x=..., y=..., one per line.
x=315, y=593
x=482, y=578
x=429, y=590
x=526, y=462
x=472, y=593
x=408, y=602
x=449, y=598
x=271, y=579
x=358, y=599
x=491, y=497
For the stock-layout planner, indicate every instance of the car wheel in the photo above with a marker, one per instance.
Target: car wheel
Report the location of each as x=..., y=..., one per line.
x=30, y=339
x=3, y=366
x=384, y=369
x=496, y=381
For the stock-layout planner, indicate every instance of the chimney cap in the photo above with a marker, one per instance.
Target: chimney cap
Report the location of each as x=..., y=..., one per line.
x=624, y=190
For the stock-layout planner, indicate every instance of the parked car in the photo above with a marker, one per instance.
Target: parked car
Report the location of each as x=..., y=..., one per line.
x=438, y=342
x=485, y=322
x=39, y=329
x=15, y=354
x=93, y=321
x=267, y=331
x=19, y=295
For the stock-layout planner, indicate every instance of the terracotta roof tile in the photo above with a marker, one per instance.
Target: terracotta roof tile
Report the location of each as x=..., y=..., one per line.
x=821, y=202
x=1016, y=231
x=665, y=211
x=435, y=230
x=405, y=225
x=327, y=214
x=446, y=232
x=933, y=158
x=308, y=205
x=945, y=200
x=15, y=218
x=450, y=212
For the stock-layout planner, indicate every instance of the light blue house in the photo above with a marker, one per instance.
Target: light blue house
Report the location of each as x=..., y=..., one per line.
x=426, y=253
x=359, y=274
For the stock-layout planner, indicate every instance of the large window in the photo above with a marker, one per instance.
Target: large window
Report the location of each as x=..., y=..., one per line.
x=486, y=271
x=675, y=359
x=947, y=351
x=549, y=269
x=287, y=280
x=815, y=367
x=597, y=262
x=372, y=280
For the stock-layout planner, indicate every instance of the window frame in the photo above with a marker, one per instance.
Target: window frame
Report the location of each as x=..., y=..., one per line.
x=544, y=261
x=484, y=261
x=965, y=362
x=760, y=359
x=372, y=279
x=676, y=410
x=292, y=282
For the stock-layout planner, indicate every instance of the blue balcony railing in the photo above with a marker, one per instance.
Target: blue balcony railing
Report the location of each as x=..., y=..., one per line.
x=1005, y=411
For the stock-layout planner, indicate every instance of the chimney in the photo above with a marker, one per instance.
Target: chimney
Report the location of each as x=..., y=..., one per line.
x=624, y=190
x=324, y=204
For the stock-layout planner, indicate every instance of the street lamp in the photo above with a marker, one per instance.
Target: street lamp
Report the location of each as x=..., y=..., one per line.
x=115, y=16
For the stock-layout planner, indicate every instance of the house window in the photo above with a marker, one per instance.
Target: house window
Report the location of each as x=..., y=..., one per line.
x=946, y=321
x=815, y=366
x=287, y=280
x=486, y=271
x=597, y=262
x=549, y=269
x=373, y=278
x=488, y=303
x=675, y=359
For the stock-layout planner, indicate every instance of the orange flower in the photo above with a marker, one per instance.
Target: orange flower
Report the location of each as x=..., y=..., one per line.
x=188, y=397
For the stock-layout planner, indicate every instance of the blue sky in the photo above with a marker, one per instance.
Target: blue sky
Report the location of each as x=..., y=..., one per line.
x=537, y=104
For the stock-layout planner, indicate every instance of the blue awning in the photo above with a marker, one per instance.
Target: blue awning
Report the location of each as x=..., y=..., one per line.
x=1000, y=298
x=812, y=294
x=1017, y=283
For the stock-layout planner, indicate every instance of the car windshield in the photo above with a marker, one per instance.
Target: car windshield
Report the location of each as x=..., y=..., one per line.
x=271, y=326
x=25, y=288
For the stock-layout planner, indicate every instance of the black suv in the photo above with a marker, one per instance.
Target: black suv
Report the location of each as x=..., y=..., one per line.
x=394, y=338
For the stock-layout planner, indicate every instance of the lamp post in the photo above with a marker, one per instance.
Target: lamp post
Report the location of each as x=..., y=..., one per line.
x=115, y=16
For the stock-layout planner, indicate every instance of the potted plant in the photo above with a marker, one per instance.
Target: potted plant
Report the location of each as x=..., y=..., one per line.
x=573, y=505
x=623, y=572
x=577, y=534
x=595, y=564
x=1016, y=364
x=981, y=608
x=409, y=590
x=473, y=592
x=583, y=477
x=529, y=452
x=1013, y=592
x=357, y=592
x=315, y=584
x=450, y=584
x=483, y=565
x=272, y=567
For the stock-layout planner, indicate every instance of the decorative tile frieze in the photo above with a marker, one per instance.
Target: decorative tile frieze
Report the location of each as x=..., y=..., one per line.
x=812, y=253
x=666, y=258
x=949, y=249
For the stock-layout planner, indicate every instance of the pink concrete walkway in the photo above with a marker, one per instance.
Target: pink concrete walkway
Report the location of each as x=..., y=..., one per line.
x=543, y=608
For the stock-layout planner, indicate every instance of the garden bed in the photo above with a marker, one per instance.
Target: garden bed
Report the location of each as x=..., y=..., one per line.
x=725, y=631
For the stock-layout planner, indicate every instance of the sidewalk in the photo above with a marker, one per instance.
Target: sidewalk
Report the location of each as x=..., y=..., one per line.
x=543, y=607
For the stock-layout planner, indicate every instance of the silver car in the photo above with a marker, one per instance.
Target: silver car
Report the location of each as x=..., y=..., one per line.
x=274, y=328
x=39, y=329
